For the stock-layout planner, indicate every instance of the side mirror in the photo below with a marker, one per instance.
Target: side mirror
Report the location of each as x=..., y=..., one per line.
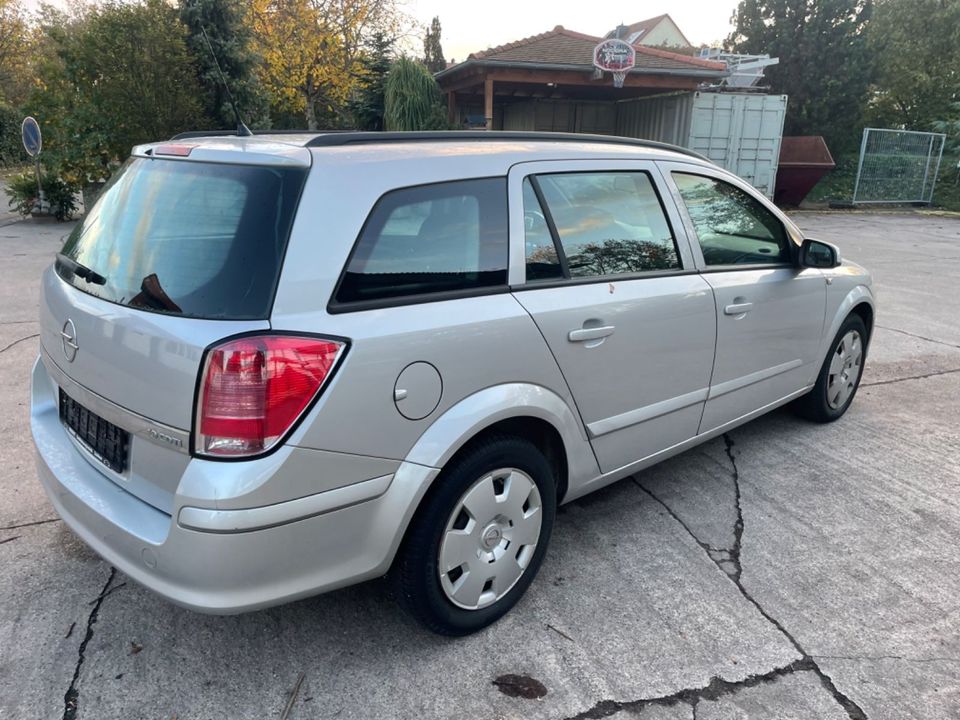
x=818, y=254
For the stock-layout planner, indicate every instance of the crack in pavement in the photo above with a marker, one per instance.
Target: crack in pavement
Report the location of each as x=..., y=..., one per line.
x=71, y=698
x=854, y=711
x=714, y=690
x=918, y=337
x=901, y=658
x=738, y=524
x=30, y=524
x=17, y=342
x=910, y=377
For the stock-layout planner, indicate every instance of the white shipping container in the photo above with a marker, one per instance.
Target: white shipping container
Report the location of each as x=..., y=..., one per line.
x=740, y=132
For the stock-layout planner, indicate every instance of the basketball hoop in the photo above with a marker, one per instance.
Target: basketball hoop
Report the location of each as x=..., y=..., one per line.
x=615, y=56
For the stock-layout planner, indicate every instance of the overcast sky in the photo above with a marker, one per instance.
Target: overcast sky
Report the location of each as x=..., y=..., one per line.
x=471, y=26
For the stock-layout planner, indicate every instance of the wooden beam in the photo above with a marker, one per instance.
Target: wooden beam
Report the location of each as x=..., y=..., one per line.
x=451, y=107
x=582, y=79
x=468, y=80
x=488, y=101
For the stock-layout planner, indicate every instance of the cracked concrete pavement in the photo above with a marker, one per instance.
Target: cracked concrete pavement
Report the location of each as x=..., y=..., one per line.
x=786, y=570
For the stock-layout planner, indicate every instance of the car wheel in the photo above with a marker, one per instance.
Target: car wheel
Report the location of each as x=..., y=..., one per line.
x=840, y=375
x=479, y=537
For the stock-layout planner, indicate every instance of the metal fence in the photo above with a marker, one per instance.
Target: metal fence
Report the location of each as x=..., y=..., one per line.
x=897, y=166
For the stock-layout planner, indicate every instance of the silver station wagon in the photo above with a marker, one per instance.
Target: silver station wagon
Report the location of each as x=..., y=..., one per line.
x=276, y=365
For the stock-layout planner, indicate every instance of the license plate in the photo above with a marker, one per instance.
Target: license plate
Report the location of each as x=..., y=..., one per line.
x=104, y=440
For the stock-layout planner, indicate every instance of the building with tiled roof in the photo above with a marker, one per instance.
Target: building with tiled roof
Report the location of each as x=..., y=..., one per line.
x=495, y=87
x=660, y=31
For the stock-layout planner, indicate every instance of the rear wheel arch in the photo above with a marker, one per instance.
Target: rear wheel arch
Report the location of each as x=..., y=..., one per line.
x=542, y=434
x=865, y=311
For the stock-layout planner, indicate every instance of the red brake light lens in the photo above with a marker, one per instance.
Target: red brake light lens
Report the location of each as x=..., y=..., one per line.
x=175, y=149
x=254, y=389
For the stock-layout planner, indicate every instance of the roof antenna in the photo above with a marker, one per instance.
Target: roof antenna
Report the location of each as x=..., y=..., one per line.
x=242, y=129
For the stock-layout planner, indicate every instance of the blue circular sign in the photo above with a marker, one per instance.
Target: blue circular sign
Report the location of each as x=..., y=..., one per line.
x=30, y=132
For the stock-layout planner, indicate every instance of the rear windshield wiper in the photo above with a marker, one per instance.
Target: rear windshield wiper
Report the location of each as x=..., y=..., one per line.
x=82, y=271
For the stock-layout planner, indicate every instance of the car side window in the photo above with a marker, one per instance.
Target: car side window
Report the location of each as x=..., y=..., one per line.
x=607, y=223
x=543, y=263
x=732, y=227
x=430, y=239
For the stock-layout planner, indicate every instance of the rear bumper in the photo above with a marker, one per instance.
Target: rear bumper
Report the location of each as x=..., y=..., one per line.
x=244, y=558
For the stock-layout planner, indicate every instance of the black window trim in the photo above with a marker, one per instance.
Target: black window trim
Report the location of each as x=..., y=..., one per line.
x=551, y=227
x=337, y=307
x=567, y=279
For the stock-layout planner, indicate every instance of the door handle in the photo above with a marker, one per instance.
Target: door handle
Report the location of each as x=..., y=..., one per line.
x=738, y=308
x=587, y=334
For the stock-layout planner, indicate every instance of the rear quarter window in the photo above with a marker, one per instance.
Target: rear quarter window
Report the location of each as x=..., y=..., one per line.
x=427, y=240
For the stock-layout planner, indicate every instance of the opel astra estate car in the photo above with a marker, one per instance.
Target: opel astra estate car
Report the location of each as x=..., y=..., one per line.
x=276, y=365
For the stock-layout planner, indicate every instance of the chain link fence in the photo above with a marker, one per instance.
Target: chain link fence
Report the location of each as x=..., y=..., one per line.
x=897, y=166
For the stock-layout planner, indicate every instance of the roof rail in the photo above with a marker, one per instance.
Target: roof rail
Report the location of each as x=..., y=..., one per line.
x=233, y=133
x=335, y=138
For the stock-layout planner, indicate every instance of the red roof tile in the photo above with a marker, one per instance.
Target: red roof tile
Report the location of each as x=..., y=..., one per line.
x=566, y=47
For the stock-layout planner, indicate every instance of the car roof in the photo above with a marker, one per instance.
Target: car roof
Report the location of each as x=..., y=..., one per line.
x=490, y=152
x=448, y=140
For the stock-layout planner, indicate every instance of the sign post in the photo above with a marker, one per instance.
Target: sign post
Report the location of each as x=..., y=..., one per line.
x=615, y=56
x=33, y=144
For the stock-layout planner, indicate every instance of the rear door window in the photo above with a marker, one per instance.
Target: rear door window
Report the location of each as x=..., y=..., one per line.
x=607, y=223
x=430, y=239
x=195, y=239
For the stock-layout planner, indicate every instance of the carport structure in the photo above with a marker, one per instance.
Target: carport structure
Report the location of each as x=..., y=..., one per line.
x=548, y=82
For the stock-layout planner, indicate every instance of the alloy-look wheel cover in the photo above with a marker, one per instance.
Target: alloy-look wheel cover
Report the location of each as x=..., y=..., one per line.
x=490, y=538
x=845, y=368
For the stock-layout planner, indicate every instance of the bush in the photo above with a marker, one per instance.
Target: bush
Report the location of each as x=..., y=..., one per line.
x=412, y=98
x=11, y=149
x=22, y=189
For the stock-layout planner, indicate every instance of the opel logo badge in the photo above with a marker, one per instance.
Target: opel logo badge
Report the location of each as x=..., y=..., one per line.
x=68, y=340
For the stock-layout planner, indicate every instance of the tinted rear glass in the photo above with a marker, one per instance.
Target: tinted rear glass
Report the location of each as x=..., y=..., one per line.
x=430, y=239
x=195, y=239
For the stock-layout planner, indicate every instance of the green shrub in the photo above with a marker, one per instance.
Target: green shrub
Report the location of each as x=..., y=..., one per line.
x=412, y=98
x=22, y=189
x=11, y=149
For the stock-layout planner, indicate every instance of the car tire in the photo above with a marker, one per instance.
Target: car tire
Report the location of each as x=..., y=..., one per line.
x=839, y=376
x=483, y=509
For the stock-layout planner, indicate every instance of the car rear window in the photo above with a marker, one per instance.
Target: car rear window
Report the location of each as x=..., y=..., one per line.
x=430, y=239
x=201, y=240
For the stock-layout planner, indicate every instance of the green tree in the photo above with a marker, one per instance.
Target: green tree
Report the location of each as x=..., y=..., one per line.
x=825, y=64
x=432, y=51
x=917, y=50
x=15, y=47
x=951, y=128
x=114, y=77
x=367, y=105
x=313, y=51
x=231, y=39
x=412, y=98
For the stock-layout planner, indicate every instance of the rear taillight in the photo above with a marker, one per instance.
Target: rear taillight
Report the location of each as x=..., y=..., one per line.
x=253, y=390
